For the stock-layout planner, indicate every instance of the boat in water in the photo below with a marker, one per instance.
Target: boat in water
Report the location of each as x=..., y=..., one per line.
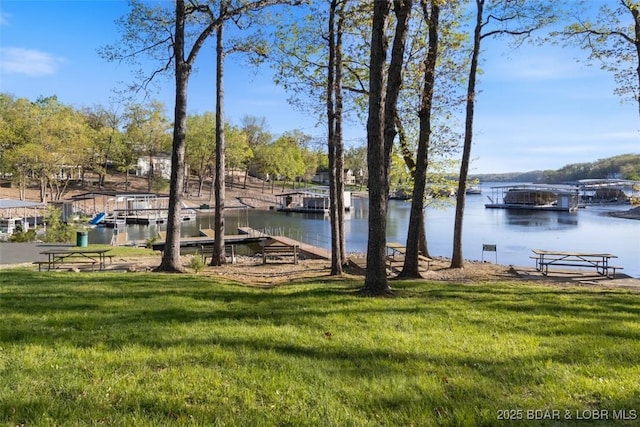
x=473, y=190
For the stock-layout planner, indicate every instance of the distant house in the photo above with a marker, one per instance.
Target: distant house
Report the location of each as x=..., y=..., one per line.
x=322, y=177
x=161, y=165
x=69, y=172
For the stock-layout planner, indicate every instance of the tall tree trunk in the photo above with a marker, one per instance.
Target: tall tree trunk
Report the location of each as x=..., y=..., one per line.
x=402, y=9
x=332, y=134
x=213, y=183
x=171, y=256
x=407, y=155
x=201, y=184
x=43, y=188
x=375, y=282
x=218, y=257
x=150, y=174
x=380, y=142
x=339, y=140
x=457, y=260
x=411, y=267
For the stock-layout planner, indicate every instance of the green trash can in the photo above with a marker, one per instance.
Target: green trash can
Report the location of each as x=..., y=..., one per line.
x=82, y=239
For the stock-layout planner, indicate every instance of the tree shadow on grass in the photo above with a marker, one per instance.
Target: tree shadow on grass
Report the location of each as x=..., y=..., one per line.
x=330, y=327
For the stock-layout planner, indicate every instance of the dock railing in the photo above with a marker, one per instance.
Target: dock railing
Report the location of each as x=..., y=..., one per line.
x=315, y=239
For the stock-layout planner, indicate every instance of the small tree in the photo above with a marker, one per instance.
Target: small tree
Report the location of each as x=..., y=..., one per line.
x=57, y=231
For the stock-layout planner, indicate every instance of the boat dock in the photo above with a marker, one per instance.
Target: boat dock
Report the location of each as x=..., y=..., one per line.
x=246, y=235
x=563, y=197
x=607, y=191
x=543, y=197
x=309, y=201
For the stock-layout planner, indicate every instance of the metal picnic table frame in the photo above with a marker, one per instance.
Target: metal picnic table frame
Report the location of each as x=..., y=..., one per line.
x=599, y=261
x=57, y=257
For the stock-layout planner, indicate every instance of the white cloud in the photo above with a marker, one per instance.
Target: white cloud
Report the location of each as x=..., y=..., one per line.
x=33, y=63
x=542, y=68
x=4, y=18
x=536, y=63
x=635, y=136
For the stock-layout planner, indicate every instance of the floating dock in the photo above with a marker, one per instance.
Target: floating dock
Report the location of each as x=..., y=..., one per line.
x=541, y=197
x=246, y=235
x=311, y=201
x=607, y=191
x=563, y=197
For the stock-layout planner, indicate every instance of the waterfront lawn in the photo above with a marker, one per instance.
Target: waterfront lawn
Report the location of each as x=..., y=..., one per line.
x=160, y=349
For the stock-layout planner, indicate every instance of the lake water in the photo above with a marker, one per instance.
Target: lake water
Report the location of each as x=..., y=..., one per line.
x=515, y=233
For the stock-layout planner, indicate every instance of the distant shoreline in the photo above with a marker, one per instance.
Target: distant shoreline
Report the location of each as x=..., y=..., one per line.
x=633, y=213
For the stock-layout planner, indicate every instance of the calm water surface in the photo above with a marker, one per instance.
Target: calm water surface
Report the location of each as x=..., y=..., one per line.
x=515, y=233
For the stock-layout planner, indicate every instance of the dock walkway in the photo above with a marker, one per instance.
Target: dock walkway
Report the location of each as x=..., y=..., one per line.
x=309, y=250
x=246, y=235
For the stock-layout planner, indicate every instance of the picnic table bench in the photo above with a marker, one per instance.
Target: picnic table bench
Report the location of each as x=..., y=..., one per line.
x=57, y=257
x=279, y=249
x=599, y=261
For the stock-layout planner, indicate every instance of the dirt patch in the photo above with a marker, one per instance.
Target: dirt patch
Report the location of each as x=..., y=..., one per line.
x=250, y=270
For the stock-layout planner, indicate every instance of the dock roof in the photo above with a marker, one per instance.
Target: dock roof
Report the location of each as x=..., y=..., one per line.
x=541, y=187
x=129, y=194
x=15, y=204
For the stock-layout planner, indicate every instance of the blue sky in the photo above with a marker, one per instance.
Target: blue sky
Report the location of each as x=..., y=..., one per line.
x=538, y=108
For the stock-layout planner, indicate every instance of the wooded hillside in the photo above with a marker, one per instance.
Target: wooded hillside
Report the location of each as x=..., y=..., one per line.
x=625, y=166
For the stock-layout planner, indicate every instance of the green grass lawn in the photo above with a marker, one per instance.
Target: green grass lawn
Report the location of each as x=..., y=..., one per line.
x=158, y=349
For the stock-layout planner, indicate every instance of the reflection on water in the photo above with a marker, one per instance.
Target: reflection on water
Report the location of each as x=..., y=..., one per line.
x=534, y=220
x=515, y=233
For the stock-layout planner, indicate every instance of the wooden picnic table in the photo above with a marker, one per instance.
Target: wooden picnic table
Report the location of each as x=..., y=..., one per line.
x=395, y=248
x=57, y=257
x=598, y=261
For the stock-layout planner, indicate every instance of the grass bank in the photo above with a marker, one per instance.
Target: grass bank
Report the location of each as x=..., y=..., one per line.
x=157, y=349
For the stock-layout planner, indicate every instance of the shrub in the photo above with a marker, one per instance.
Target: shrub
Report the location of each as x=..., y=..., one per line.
x=196, y=263
x=19, y=235
x=57, y=231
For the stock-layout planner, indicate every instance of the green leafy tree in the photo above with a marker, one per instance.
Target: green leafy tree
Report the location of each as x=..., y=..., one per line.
x=381, y=132
x=612, y=38
x=355, y=158
x=17, y=156
x=416, y=231
x=105, y=138
x=258, y=136
x=321, y=61
x=147, y=130
x=267, y=161
x=493, y=18
x=200, y=146
x=238, y=151
x=54, y=146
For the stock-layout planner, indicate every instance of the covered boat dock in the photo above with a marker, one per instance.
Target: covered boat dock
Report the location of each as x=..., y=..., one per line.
x=310, y=201
x=548, y=197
